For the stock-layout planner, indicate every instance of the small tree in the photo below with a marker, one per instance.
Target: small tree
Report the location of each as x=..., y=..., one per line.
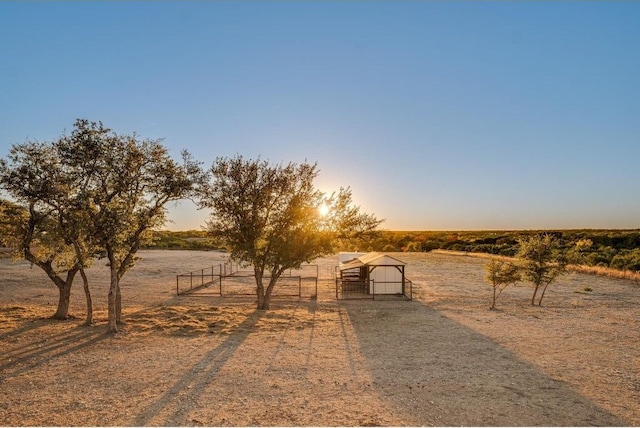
x=541, y=262
x=500, y=274
x=270, y=217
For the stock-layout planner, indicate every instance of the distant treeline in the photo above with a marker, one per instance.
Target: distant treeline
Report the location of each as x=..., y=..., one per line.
x=183, y=240
x=617, y=249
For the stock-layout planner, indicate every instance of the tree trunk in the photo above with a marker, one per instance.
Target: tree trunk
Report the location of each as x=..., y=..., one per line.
x=269, y=290
x=64, y=289
x=87, y=294
x=535, y=291
x=118, y=304
x=263, y=302
x=542, y=295
x=113, y=287
x=64, y=286
x=493, y=303
x=264, y=294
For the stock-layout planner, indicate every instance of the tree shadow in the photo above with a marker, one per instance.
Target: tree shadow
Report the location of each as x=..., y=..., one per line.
x=165, y=410
x=27, y=325
x=20, y=358
x=445, y=374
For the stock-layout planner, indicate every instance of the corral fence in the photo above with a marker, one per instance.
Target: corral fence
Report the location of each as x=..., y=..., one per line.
x=204, y=278
x=372, y=290
x=228, y=280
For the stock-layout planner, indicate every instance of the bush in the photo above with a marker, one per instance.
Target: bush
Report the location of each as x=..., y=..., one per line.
x=389, y=248
x=413, y=246
x=430, y=245
x=628, y=260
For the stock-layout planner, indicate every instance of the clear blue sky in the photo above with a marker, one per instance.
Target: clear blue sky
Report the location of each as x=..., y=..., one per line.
x=439, y=115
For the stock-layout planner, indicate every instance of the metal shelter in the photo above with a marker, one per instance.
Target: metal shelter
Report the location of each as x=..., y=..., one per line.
x=370, y=275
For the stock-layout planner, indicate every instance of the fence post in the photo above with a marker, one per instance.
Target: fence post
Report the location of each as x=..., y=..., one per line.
x=220, y=266
x=177, y=285
x=190, y=280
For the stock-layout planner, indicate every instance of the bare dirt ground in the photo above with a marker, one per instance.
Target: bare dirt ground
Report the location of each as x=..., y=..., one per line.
x=441, y=359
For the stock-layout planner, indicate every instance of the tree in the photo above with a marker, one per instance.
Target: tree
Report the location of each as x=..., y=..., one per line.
x=541, y=262
x=270, y=217
x=577, y=253
x=123, y=185
x=90, y=194
x=41, y=225
x=500, y=274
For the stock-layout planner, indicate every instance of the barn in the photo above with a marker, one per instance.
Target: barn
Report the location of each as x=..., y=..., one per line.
x=367, y=275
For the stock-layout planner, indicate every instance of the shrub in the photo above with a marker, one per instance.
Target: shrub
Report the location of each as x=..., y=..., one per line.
x=628, y=260
x=500, y=274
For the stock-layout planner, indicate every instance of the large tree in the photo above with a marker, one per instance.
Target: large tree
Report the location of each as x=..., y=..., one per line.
x=541, y=262
x=40, y=224
x=271, y=217
x=93, y=193
x=124, y=185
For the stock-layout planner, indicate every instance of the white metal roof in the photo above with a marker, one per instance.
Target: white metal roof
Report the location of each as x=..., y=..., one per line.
x=371, y=259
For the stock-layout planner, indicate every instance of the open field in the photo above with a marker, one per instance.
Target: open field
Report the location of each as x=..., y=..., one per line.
x=441, y=359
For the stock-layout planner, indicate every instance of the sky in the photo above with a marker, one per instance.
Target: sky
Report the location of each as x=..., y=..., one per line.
x=439, y=115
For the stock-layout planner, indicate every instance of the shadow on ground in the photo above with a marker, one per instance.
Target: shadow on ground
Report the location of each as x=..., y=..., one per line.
x=174, y=405
x=448, y=374
x=17, y=361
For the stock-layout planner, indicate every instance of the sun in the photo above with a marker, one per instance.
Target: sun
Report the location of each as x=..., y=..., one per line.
x=323, y=210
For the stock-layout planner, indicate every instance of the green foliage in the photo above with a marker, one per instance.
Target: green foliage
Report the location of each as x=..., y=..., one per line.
x=90, y=194
x=587, y=247
x=541, y=262
x=43, y=224
x=122, y=186
x=500, y=274
x=269, y=216
x=183, y=240
x=626, y=260
x=413, y=246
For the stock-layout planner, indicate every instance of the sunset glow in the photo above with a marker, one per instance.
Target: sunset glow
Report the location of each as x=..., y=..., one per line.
x=323, y=210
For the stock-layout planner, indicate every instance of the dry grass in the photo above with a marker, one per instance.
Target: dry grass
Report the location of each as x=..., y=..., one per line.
x=592, y=270
x=608, y=272
x=442, y=359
